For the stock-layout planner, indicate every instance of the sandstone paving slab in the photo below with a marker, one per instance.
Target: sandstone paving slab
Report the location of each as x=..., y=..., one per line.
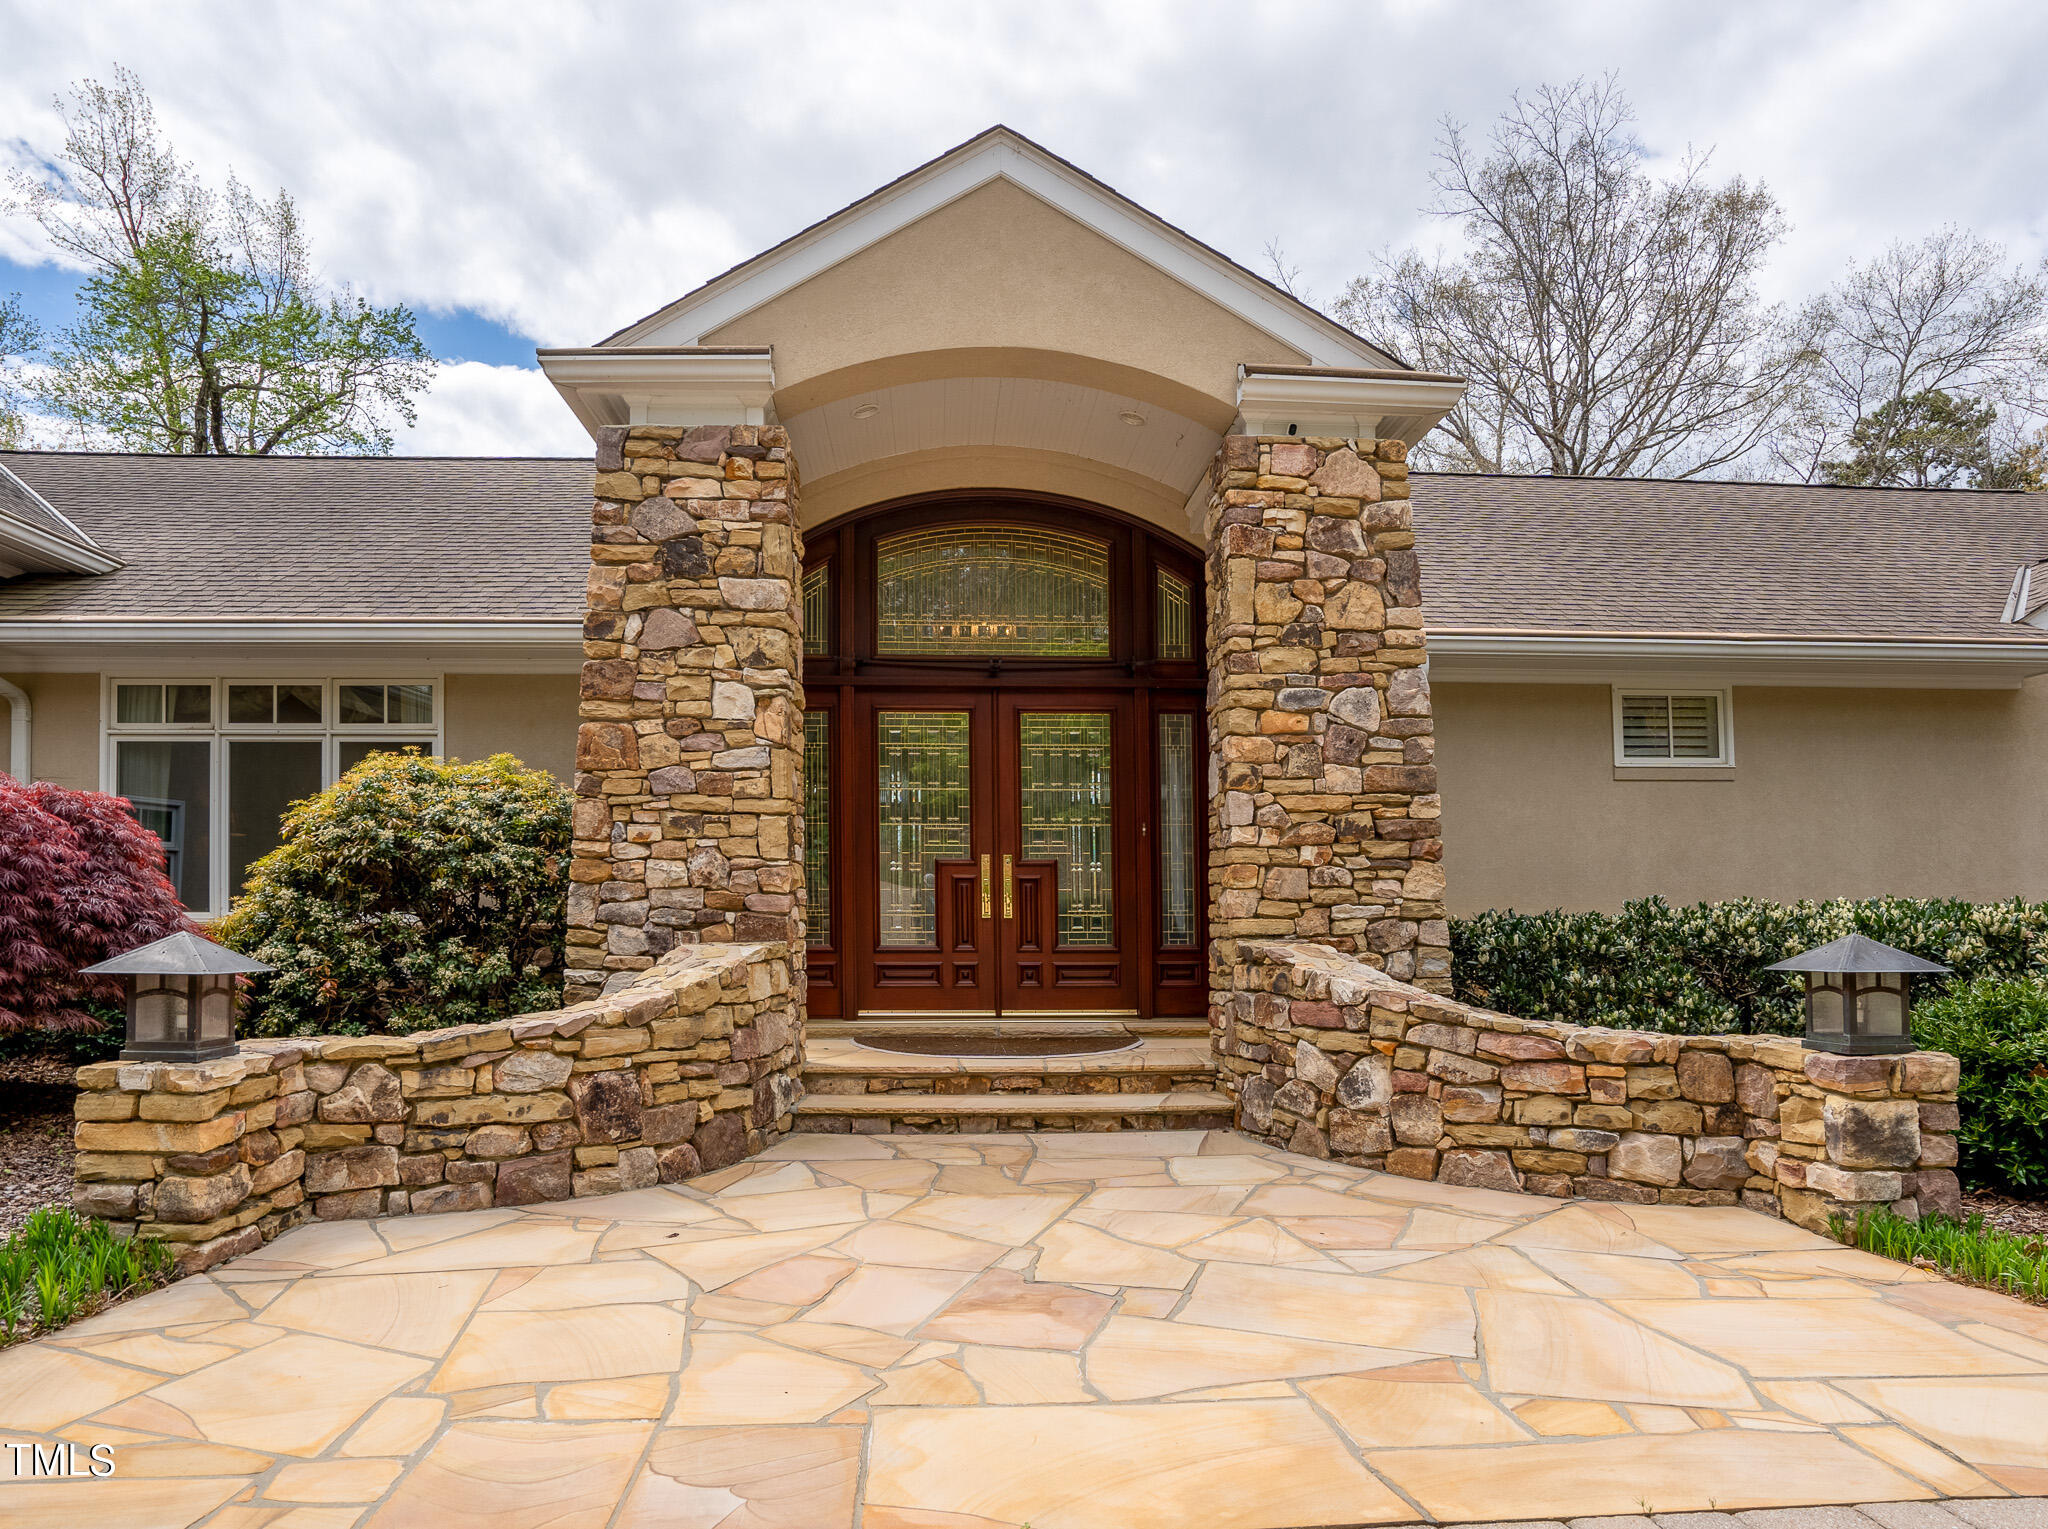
x=1232, y=1336
x=1790, y=1339
x=1725, y=1468
x=1224, y=1465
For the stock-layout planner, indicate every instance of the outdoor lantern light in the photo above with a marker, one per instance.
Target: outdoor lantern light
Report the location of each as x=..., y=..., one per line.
x=1856, y=1000
x=182, y=996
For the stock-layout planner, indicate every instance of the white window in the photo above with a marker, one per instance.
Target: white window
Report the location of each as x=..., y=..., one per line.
x=210, y=765
x=1672, y=728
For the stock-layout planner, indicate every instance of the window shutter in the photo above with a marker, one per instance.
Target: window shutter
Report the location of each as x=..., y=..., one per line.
x=1646, y=727
x=1695, y=727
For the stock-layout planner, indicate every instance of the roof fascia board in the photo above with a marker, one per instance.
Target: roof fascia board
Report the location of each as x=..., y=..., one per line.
x=29, y=489
x=995, y=155
x=508, y=633
x=1520, y=659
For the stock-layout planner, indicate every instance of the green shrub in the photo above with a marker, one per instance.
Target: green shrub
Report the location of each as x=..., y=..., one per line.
x=1998, y=1029
x=62, y=1266
x=411, y=894
x=1699, y=969
x=1967, y=1249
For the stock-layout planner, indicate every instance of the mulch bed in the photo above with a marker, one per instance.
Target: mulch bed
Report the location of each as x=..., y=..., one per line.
x=35, y=1137
x=2022, y=1218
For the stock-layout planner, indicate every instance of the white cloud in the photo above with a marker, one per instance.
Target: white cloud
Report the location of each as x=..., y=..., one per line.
x=564, y=169
x=477, y=410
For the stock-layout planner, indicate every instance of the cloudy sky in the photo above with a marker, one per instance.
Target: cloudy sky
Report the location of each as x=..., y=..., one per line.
x=527, y=173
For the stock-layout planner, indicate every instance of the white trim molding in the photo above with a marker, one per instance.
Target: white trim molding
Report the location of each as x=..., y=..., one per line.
x=663, y=385
x=1386, y=405
x=19, y=712
x=1001, y=153
x=25, y=546
x=1723, y=758
x=1709, y=662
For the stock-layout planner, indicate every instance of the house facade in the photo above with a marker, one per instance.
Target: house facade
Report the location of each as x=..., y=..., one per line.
x=1012, y=602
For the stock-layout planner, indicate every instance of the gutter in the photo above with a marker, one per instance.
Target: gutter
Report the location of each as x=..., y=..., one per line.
x=495, y=633
x=18, y=713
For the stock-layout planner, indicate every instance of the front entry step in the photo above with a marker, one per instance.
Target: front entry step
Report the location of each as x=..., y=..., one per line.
x=882, y=1114
x=1160, y=1081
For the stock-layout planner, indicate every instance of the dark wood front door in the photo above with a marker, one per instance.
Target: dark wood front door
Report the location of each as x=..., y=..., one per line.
x=999, y=854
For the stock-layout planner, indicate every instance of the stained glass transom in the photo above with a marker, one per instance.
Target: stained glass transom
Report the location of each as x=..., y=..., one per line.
x=1176, y=634
x=818, y=609
x=1065, y=773
x=818, y=826
x=992, y=590
x=1176, y=828
x=922, y=774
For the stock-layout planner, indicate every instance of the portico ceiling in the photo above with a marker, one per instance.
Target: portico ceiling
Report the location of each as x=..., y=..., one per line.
x=1026, y=413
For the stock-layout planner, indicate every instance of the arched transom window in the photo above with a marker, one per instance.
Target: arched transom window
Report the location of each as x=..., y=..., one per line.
x=992, y=591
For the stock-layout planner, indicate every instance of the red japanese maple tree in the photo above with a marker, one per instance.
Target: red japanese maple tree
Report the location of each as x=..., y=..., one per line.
x=80, y=880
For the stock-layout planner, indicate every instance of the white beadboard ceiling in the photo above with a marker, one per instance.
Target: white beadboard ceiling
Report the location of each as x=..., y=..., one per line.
x=1003, y=411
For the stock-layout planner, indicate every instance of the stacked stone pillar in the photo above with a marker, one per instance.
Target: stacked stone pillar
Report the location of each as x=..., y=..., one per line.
x=1323, y=809
x=689, y=801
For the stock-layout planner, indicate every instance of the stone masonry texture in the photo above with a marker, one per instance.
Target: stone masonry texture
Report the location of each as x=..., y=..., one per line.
x=1329, y=1056
x=689, y=800
x=1323, y=810
x=689, y=1067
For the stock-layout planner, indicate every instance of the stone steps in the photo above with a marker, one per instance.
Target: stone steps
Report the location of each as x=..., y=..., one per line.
x=1160, y=1080
x=892, y=1113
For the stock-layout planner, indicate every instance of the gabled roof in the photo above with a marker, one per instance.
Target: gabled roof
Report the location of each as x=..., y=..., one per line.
x=35, y=534
x=507, y=540
x=1002, y=152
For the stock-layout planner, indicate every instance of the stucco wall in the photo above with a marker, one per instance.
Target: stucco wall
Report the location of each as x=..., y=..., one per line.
x=530, y=715
x=1836, y=792
x=1000, y=268
x=64, y=715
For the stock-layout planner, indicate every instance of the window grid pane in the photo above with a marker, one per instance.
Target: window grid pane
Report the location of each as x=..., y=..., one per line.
x=1064, y=769
x=818, y=609
x=139, y=703
x=1176, y=635
x=1177, y=829
x=992, y=590
x=818, y=826
x=921, y=765
x=1695, y=727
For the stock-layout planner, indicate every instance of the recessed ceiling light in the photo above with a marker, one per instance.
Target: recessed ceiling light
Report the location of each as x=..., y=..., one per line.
x=1132, y=417
x=867, y=411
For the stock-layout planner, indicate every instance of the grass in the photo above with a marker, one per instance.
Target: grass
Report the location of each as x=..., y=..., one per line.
x=1968, y=1249
x=61, y=1266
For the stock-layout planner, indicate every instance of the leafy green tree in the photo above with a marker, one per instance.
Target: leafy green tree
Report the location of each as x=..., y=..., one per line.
x=1929, y=439
x=18, y=338
x=203, y=327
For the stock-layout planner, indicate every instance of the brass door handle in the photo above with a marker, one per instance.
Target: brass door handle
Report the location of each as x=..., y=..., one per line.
x=985, y=910
x=1009, y=904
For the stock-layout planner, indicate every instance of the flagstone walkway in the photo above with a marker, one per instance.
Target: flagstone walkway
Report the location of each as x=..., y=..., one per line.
x=1162, y=1330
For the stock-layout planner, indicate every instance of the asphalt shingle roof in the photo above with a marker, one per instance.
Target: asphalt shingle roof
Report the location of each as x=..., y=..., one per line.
x=22, y=505
x=506, y=539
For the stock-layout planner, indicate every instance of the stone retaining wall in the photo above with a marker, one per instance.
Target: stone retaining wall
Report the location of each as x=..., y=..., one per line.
x=1328, y=1056
x=692, y=1066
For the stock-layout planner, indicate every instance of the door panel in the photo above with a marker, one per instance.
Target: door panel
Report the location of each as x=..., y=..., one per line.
x=1062, y=813
x=928, y=939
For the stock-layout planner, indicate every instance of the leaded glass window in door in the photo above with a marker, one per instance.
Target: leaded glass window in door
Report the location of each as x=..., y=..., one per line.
x=1064, y=763
x=992, y=590
x=922, y=769
x=818, y=827
x=1176, y=828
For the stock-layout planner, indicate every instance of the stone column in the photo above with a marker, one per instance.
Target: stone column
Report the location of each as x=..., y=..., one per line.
x=1323, y=812
x=689, y=800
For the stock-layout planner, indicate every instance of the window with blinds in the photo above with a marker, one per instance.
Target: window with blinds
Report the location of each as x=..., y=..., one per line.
x=1674, y=727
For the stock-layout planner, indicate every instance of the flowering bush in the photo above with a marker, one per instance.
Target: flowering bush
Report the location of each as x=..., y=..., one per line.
x=1699, y=969
x=412, y=893
x=80, y=880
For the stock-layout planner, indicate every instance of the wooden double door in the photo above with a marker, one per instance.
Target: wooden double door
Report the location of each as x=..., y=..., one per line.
x=1005, y=852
